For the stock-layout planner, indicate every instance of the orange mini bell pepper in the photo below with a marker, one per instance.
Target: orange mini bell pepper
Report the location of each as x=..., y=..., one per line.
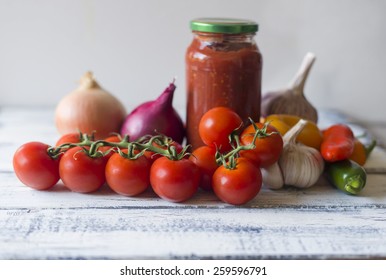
x=310, y=136
x=362, y=152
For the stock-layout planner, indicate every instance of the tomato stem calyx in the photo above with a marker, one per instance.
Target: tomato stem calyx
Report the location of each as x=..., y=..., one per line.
x=229, y=160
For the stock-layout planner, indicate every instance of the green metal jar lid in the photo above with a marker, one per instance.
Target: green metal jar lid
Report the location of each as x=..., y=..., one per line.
x=223, y=25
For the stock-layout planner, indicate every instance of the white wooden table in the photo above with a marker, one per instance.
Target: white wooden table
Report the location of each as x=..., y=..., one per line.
x=317, y=223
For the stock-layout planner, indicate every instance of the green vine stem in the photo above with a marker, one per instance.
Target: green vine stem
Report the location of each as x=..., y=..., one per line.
x=86, y=140
x=159, y=144
x=229, y=160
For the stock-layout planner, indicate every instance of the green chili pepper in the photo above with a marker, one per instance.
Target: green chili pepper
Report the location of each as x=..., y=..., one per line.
x=347, y=176
x=369, y=148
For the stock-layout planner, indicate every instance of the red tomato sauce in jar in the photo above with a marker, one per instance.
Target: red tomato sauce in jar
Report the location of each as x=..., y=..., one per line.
x=223, y=68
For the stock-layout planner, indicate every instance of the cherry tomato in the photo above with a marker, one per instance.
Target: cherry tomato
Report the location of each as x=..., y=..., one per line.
x=268, y=148
x=204, y=158
x=80, y=172
x=174, y=180
x=128, y=177
x=69, y=138
x=34, y=167
x=104, y=149
x=237, y=186
x=216, y=125
x=113, y=138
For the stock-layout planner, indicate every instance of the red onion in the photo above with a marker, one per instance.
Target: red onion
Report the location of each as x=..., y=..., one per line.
x=155, y=117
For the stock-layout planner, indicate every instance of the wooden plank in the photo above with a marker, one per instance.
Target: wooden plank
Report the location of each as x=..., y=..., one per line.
x=125, y=233
x=316, y=223
x=320, y=195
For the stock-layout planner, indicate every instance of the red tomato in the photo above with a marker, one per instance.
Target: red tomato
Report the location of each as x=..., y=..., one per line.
x=112, y=139
x=80, y=172
x=174, y=180
x=69, y=138
x=34, y=167
x=268, y=148
x=237, y=186
x=128, y=177
x=204, y=158
x=216, y=125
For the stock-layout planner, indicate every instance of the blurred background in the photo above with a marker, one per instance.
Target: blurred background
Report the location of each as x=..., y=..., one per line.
x=135, y=48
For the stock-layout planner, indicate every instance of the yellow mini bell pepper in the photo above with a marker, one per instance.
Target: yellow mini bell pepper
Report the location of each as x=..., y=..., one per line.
x=310, y=136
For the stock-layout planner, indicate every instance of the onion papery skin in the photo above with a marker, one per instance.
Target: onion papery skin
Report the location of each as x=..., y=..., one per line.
x=90, y=109
x=155, y=117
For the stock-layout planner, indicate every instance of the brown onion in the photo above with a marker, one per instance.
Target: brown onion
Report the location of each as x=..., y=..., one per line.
x=89, y=109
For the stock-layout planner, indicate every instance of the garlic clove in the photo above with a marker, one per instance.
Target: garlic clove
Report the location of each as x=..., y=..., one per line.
x=272, y=176
x=302, y=168
x=301, y=165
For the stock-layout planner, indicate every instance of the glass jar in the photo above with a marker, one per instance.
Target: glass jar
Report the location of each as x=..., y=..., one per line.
x=223, y=68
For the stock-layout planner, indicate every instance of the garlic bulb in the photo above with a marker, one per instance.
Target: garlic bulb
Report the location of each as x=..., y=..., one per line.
x=272, y=176
x=89, y=109
x=291, y=100
x=301, y=165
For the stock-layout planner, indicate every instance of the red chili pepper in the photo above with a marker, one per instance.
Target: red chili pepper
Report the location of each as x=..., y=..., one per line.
x=338, y=143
